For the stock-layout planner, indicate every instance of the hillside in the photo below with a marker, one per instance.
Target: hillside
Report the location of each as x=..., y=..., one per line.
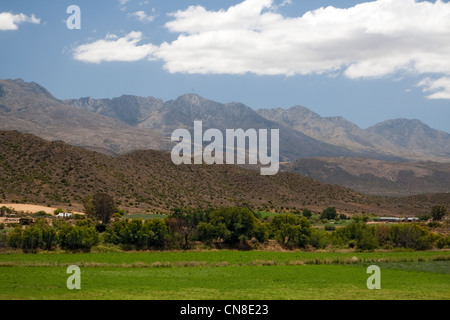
x=44, y=172
x=375, y=176
x=30, y=108
x=389, y=140
x=164, y=117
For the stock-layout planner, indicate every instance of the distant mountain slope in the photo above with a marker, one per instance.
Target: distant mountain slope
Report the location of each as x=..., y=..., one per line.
x=30, y=108
x=409, y=139
x=151, y=113
x=413, y=135
x=375, y=176
x=54, y=172
x=127, y=123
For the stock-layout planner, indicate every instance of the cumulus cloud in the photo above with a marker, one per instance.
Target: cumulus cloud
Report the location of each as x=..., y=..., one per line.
x=439, y=87
x=371, y=39
x=113, y=48
x=142, y=16
x=10, y=21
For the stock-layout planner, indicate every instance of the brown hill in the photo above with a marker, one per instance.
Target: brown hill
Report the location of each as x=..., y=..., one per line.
x=377, y=177
x=39, y=171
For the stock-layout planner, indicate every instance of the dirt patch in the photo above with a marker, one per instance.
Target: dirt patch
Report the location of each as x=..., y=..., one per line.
x=31, y=208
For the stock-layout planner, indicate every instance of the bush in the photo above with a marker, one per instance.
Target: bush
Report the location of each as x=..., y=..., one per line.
x=232, y=225
x=291, y=231
x=41, y=214
x=434, y=224
x=425, y=217
x=319, y=239
x=330, y=227
x=2, y=226
x=411, y=236
x=14, y=239
x=31, y=239
x=135, y=234
x=101, y=227
x=77, y=238
x=443, y=242
x=329, y=213
x=307, y=213
x=438, y=212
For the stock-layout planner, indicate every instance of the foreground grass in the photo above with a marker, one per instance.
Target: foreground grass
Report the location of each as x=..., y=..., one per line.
x=226, y=275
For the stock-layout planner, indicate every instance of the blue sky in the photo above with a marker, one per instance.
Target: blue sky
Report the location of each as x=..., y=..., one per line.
x=365, y=61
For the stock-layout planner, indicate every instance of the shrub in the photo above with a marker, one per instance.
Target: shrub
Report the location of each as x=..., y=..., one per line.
x=31, y=239
x=329, y=213
x=290, y=230
x=434, y=224
x=438, y=212
x=319, y=239
x=307, y=213
x=443, y=242
x=101, y=227
x=77, y=238
x=236, y=225
x=411, y=236
x=14, y=239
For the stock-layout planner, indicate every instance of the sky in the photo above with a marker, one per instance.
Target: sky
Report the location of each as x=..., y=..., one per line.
x=368, y=61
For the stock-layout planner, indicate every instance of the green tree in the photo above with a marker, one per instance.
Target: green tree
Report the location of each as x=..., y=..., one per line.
x=31, y=239
x=100, y=206
x=329, y=213
x=438, y=212
x=307, y=213
x=183, y=224
x=14, y=239
x=231, y=225
x=290, y=230
x=78, y=237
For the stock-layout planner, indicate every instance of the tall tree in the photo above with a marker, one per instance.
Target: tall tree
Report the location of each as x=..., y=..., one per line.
x=99, y=206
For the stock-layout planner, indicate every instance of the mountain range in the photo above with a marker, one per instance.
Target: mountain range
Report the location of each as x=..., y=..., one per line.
x=397, y=157
x=126, y=123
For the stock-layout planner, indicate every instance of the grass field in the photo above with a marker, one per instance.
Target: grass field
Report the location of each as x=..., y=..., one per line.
x=253, y=275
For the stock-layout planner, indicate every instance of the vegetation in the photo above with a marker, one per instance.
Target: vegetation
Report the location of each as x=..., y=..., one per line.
x=438, y=212
x=233, y=228
x=225, y=274
x=100, y=206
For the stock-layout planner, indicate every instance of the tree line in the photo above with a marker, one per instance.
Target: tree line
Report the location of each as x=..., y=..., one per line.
x=235, y=227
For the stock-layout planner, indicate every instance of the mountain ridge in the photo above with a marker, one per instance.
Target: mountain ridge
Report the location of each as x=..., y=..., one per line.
x=126, y=123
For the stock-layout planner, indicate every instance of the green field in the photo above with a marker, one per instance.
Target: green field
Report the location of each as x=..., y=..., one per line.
x=252, y=275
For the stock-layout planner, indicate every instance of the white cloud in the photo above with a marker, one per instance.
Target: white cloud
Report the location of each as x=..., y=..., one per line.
x=142, y=16
x=113, y=48
x=122, y=4
x=9, y=21
x=439, y=87
x=372, y=39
